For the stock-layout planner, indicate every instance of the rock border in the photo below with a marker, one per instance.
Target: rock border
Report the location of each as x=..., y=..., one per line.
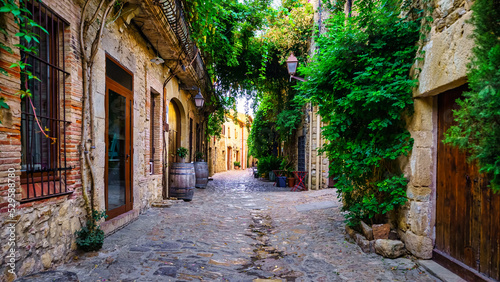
x=387, y=248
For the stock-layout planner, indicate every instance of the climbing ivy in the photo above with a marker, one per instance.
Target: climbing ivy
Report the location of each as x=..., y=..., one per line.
x=360, y=81
x=25, y=34
x=478, y=119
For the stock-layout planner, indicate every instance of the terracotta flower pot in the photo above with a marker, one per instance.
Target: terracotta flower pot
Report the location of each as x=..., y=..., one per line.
x=291, y=181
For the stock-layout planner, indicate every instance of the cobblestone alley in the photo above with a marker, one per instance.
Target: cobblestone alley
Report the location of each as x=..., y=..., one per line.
x=240, y=229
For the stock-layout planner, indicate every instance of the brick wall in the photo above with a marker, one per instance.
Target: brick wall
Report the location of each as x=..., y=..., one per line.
x=44, y=228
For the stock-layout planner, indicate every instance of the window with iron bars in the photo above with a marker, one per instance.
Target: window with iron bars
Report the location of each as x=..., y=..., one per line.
x=43, y=117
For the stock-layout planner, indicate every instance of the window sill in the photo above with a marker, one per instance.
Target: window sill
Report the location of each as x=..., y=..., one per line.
x=45, y=197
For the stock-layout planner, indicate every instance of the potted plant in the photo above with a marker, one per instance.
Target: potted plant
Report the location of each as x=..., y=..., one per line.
x=291, y=178
x=199, y=156
x=236, y=165
x=287, y=165
x=182, y=153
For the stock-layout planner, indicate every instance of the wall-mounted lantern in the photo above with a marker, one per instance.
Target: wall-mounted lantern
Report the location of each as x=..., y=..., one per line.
x=157, y=60
x=199, y=101
x=291, y=64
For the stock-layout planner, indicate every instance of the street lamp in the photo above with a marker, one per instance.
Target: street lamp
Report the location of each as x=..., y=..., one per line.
x=291, y=64
x=199, y=101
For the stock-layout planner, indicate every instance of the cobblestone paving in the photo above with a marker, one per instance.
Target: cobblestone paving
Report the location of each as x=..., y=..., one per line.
x=240, y=229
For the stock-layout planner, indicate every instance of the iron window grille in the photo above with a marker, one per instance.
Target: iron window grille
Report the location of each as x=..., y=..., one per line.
x=43, y=159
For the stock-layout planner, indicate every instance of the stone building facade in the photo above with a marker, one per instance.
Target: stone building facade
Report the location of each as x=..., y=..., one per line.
x=143, y=111
x=442, y=77
x=232, y=146
x=448, y=48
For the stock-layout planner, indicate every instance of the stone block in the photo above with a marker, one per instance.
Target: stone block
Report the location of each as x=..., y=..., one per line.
x=419, y=246
x=99, y=106
x=367, y=231
x=381, y=231
x=419, y=194
x=421, y=163
x=27, y=267
x=423, y=138
x=447, y=54
x=47, y=260
x=350, y=231
x=63, y=209
x=422, y=117
x=393, y=235
x=419, y=215
x=389, y=248
x=365, y=245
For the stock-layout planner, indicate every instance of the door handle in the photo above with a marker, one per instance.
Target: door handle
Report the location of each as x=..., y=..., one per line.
x=128, y=156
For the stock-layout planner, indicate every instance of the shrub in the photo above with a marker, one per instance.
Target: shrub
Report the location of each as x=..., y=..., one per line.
x=363, y=89
x=90, y=237
x=268, y=163
x=236, y=163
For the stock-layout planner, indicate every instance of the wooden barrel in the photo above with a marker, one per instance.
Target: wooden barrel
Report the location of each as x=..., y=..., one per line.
x=182, y=181
x=201, y=172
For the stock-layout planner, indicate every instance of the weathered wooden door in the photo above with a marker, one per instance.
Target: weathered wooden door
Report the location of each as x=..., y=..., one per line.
x=467, y=211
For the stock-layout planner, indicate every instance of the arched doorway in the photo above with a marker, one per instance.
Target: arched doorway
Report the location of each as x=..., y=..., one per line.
x=174, y=130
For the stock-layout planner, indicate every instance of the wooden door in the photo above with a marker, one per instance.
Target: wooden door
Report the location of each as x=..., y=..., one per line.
x=118, y=167
x=174, y=131
x=467, y=211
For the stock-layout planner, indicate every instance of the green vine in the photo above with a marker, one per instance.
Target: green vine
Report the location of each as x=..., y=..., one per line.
x=26, y=25
x=360, y=81
x=478, y=128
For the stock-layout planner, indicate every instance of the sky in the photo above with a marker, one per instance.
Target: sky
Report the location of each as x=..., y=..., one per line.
x=242, y=106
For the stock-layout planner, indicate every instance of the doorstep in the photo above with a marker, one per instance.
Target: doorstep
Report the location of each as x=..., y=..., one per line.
x=439, y=271
x=111, y=226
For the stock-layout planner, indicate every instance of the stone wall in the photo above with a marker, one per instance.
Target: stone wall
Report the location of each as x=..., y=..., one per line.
x=317, y=165
x=125, y=44
x=447, y=51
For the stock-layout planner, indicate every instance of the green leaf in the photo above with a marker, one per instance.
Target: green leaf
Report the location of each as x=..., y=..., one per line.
x=3, y=104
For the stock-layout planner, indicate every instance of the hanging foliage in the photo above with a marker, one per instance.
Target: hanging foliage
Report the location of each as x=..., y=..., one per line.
x=244, y=44
x=26, y=35
x=360, y=81
x=279, y=113
x=478, y=128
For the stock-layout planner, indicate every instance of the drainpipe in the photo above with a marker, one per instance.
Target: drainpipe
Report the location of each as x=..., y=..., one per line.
x=311, y=117
x=242, y=148
x=318, y=145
